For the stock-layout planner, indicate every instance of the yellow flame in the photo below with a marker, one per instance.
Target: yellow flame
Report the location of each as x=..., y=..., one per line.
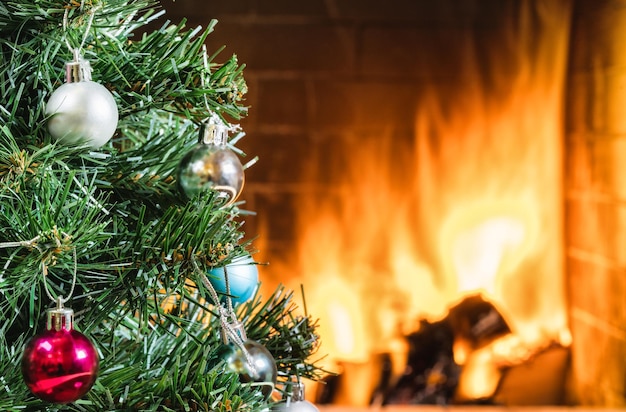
x=341, y=320
x=474, y=204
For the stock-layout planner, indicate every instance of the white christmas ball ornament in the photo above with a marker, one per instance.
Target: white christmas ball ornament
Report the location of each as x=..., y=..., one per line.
x=82, y=112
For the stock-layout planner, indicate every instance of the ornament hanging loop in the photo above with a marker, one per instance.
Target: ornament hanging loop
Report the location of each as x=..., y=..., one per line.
x=232, y=329
x=213, y=129
x=76, y=50
x=79, y=69
x=60, y=300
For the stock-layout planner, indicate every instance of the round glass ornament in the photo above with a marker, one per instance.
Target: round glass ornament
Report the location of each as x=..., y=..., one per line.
x=243, y=279
x=81, y=111
x=258, y=368
x=59, y=365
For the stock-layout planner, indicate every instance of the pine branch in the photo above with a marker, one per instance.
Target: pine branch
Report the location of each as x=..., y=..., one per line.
x=166, y=361
x=137, y=295
x=290, y=336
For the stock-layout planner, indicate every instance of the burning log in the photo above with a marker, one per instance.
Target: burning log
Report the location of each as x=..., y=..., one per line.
x=471, y=357
x=431, y=374
x=439, y=350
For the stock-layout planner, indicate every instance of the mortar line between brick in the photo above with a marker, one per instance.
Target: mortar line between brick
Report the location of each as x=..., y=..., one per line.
x=590, y=257
x=598, y=323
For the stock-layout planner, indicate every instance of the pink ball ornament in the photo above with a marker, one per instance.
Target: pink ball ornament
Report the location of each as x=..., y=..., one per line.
x=60, y=365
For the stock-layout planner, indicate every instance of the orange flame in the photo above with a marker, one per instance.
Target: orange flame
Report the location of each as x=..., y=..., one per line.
x=476, y=206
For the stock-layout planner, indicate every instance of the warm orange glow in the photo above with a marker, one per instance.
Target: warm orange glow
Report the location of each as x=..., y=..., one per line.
x=342, y=320
x=475, y=206
x=481, y=376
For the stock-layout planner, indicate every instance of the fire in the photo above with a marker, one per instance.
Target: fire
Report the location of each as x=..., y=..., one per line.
x=347, y=324
x=472, y=205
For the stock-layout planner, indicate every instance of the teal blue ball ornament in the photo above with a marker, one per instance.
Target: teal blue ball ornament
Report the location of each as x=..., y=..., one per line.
x=243, y=279
x=257, y=369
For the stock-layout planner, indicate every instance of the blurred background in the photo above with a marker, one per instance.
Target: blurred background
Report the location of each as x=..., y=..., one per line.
x=444, y=180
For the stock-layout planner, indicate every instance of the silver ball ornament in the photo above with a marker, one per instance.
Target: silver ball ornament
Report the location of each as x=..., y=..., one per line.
x=297, y=406
x=209, y=166
x=257, y=369
x=82, y=112
x=295, y=402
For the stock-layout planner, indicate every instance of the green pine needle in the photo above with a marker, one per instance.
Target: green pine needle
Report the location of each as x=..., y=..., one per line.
x=136, y=295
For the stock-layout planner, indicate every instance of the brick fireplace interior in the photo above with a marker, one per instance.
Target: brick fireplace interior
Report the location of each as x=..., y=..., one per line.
x=341, y=94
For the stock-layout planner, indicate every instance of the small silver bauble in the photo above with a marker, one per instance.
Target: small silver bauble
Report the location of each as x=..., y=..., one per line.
x=211, y=166
x=258, y=368
x=81, y=111
x=295, y=402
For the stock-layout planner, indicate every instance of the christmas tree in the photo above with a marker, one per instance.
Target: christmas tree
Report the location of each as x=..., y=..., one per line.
x=126, y=281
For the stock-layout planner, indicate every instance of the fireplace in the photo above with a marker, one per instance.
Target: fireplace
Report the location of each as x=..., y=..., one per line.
x=417, y=153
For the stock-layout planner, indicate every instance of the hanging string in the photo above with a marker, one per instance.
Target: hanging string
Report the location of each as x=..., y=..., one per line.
x=23, y=243
x=232, y=328
x=60, y=298
x=33, y=243
x=229, y=301
x=220, y=127
x=207, y=71
x=214, y=133
x=76, y=51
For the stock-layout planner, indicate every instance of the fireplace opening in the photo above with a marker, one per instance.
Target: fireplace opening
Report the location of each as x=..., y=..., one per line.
x=469, y=205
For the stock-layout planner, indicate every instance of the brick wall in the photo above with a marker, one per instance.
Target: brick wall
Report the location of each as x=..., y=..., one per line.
x=595, y=201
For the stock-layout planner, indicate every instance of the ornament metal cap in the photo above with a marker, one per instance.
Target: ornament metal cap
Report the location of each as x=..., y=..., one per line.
x=78, y=70
x=60, y=317
x=297, y=392
x=211, y=133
